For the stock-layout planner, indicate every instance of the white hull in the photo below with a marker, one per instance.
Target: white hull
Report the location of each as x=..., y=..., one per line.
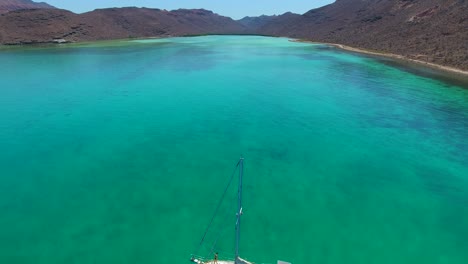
x=239, y=261
x=227, y=262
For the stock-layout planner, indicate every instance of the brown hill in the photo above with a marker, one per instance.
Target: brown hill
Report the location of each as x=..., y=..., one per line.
x=47, y=25
x=261, y=24
x=13, y=5
x=253, y=24
x=430, y=30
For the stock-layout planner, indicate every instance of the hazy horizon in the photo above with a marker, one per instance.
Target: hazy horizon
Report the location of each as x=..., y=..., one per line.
x=236, y=10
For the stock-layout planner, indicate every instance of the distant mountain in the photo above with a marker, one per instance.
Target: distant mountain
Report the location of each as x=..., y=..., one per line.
x=261, y=24
x=51, y=25
x=429, y=30
x=13, y=5
x=254, y=23
x=274, y=26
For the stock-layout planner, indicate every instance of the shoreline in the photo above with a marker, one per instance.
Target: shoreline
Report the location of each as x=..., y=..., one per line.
x=455, y=72
x=400, y=58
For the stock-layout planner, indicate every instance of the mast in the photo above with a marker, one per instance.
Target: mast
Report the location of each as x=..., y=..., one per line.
x=239, y=211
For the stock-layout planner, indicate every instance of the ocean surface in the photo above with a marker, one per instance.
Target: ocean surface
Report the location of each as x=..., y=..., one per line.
x=118, y=152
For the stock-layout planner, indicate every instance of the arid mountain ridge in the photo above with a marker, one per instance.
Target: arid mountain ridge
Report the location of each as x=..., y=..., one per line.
x=12, y=5
x=56, y=25
x=428, y=30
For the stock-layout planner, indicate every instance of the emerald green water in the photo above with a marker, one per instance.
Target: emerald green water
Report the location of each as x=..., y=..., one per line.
x=118, y=153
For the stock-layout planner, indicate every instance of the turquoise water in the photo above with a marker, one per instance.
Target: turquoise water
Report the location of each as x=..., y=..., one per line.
x=118, y=152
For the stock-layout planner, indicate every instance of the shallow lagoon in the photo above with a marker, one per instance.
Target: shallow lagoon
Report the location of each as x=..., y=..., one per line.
x=118, y=152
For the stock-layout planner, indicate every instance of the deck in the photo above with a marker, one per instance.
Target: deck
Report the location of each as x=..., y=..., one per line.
x=241, y=261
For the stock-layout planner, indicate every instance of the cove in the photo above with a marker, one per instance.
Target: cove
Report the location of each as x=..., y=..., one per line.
x=118, y=152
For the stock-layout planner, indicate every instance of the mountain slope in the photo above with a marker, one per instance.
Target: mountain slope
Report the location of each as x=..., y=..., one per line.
x=265, y=24
x=45, y=25
x=430, y=30
x=254, y=23
x=13, y=5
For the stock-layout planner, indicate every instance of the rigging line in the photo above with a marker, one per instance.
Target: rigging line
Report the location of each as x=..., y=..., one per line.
x=226, y=255
x=217, y=238
x=218, y=206
x=221, y=252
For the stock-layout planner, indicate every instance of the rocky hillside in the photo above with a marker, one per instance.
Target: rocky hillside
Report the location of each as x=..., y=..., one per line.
x=51, y=25
x=269, y=25
x=429, y=30
x=260, y=24
x=253, y=24
x=13, y=5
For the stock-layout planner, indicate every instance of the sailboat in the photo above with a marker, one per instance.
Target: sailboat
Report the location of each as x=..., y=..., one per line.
x=237, y=258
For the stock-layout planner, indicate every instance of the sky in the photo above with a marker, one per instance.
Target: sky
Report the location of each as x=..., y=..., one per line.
x=232, y=8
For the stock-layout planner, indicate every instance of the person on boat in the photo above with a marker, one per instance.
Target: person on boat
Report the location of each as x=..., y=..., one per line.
x=215, y=258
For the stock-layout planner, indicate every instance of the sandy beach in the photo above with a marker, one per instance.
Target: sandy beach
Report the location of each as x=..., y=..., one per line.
x=453, y=71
